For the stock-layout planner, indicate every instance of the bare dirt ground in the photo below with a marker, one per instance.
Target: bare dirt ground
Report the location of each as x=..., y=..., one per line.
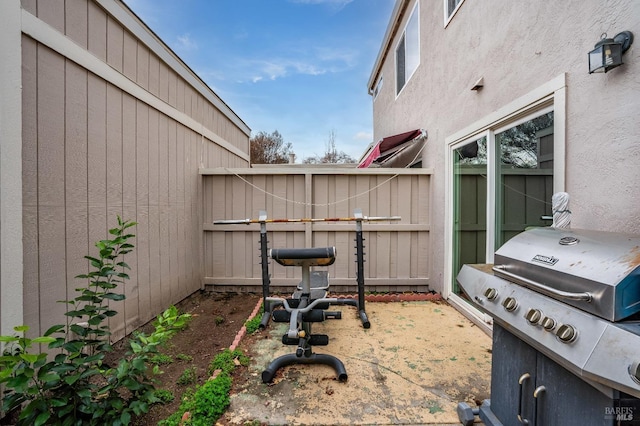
x=216, y=319
x=413, y=366
x=415, y=363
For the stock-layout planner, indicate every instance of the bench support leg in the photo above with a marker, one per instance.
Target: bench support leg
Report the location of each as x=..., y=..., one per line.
x=289, y=359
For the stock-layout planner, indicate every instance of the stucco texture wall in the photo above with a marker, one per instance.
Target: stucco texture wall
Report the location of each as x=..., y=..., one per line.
x=517, y=46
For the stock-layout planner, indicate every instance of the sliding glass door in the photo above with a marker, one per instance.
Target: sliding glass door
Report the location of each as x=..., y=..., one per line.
x=502, y=184
x=470, y=204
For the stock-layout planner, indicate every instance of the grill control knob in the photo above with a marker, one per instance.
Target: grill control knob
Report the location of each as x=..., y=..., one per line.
x=491, y=293
x=533, y=316
x=548, y=323
x=510, y=304
x=634, y=371
x=566, y=333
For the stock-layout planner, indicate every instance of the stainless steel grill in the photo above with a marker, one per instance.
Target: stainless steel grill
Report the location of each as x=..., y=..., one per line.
x=598, y=272
x=574, y=297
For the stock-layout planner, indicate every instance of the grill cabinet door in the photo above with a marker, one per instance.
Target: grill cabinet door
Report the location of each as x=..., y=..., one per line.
x=511, y=359
x=566, y=400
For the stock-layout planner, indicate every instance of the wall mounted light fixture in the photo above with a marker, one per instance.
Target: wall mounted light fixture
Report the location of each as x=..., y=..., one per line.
x=608, y=52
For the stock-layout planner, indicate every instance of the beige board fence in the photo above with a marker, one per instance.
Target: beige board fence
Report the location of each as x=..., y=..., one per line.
x=112, y=124
x=396, y=252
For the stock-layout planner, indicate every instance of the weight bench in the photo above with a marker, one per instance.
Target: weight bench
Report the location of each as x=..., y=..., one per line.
x=309, y=302
x=307, y=305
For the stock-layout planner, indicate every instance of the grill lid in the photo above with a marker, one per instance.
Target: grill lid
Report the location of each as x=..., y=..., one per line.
x=598, y=272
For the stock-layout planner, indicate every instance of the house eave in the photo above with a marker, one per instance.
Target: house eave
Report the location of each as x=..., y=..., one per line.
x=396, y=17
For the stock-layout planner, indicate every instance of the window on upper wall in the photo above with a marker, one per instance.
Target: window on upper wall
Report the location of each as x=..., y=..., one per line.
x=378, y=87
x=408, y=51
x=450, y=8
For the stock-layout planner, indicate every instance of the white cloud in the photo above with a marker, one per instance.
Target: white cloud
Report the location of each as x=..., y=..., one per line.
x=272, y=69
x=185, y=42
x=320, y=61
x=341, y=58
x=307, y=68
x=363, y=136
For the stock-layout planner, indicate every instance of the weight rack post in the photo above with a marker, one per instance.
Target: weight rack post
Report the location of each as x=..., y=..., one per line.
x=264, y=262
x=360, y=269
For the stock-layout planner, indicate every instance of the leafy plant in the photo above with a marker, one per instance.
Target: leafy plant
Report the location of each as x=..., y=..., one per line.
x=226, y=361
x=210, y=400
x=187, y=377
x=76, y=387
x=184, y=357
x=161, y=359
x=164, y=396
x=254, y=323
x=171, y=321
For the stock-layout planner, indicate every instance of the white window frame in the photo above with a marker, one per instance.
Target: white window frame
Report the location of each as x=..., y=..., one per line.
x=549, y=96
x=449, y=14
x=415, y=13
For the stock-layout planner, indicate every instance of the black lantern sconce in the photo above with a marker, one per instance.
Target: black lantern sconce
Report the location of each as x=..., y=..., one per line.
x=608, y=52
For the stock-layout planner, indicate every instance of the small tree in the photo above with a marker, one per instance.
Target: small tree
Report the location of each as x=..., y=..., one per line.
x=331, y=155
x=269, y=148
x=76, y=386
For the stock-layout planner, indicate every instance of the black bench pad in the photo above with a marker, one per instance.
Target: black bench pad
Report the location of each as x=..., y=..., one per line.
x=316, y=256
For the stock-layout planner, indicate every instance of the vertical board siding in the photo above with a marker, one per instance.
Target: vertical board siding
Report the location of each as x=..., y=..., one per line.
x=396, y=254
x=97, y=31
x=50, y=188
x=142, y=209
x=76, y=19
x=129, y=208
x=114, y=181
x=155, y=285
x=92, y=152
x=31, y=274
x=52, y=12
x=76, y=172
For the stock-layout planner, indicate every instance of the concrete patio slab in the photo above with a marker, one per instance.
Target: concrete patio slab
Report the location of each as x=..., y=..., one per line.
x=413, y=366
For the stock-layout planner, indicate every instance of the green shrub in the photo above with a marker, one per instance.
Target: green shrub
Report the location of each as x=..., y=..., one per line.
x=76, y=387
x=205, y=405
x=225, y=361
x=210, y=400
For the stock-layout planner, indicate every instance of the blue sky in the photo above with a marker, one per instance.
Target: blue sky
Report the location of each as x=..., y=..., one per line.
x=297, y=66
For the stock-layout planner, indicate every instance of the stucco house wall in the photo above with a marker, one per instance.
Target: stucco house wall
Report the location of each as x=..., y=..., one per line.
x=100, y=118
x=518, y=47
